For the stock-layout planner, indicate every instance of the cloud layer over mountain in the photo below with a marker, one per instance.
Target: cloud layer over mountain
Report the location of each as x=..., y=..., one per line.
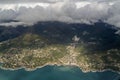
x=28, y=12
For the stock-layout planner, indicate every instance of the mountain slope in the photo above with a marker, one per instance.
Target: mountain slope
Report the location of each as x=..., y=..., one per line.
x=49, y=43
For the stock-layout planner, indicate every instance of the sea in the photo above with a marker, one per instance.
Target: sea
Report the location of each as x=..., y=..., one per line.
x=57, y=73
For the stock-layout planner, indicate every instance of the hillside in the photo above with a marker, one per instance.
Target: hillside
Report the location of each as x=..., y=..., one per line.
x=49, y=43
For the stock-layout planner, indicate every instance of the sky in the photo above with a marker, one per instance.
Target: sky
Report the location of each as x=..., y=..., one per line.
x=29, y=12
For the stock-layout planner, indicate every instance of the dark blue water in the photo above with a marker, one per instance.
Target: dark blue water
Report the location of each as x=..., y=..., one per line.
x=57, y=73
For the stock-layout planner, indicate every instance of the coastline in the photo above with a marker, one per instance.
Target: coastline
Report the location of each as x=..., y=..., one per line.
x=87, y=71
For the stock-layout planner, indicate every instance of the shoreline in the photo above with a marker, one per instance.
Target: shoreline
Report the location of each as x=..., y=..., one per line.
x=87, y=71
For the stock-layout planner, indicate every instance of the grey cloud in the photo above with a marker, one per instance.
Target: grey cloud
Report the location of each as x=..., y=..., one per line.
x=49, y=1
x=114, y=15
x=27, y=1
x=66, y=11
x=7, y=15
x=89, y=12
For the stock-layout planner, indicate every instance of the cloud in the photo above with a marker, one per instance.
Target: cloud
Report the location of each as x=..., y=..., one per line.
x=49, y=1
x=90, y=12
x=114, y=15
x=27, y=1
x=7, y=15
x=28, y=12
x=12, y=24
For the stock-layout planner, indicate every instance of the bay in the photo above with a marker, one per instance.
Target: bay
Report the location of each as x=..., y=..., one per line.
x=57, y=73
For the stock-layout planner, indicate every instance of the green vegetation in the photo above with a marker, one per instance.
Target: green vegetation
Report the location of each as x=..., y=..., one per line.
x=31, y=51
x=28, y=40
